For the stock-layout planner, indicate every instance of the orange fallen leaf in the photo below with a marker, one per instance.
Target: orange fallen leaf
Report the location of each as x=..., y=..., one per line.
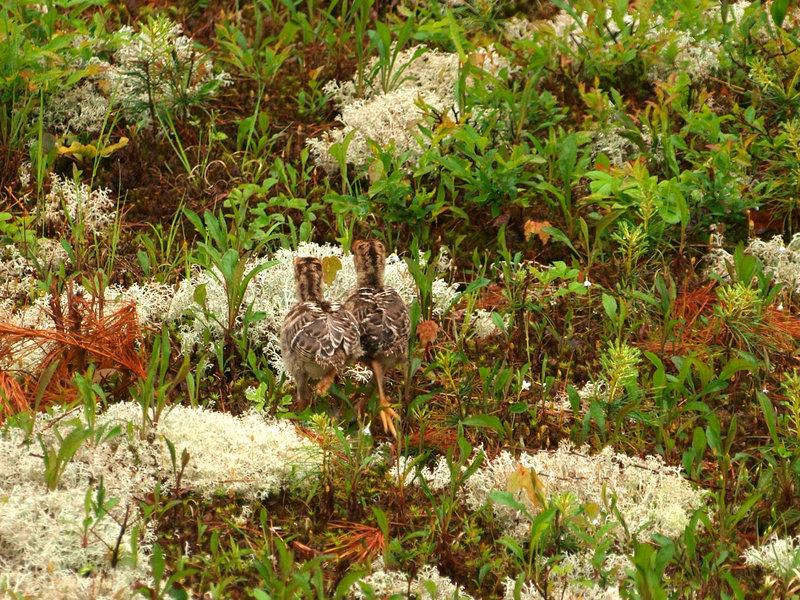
x=537, y=228
x=427, y=331
x=526, y=479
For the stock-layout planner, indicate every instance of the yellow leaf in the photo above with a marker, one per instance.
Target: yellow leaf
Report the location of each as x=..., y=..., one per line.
x=330, y=268
x=79, y=150
x=537, y=228
x=592, y=510
x=109, y=150
x=526, y=479
x=89, y=151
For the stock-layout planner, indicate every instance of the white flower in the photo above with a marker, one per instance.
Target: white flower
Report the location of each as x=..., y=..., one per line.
x=587, y=283
x=526, y=385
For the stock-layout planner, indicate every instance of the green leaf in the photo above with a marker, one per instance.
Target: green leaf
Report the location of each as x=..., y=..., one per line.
x=745, y=508
x=699, y=441
x=488, y=421
x=497, y=319
x=568, y=155
x=512, y=545
x=610, y=306
x=778, y=11
x=560, y=236
x=343, y=588
x=769, y=415
x=735, y=365
x=507, y=499
x=383, y=522
x=144, y=261
x=199, y=295
x=157, y=563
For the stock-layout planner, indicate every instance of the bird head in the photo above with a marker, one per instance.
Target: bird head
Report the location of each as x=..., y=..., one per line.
x=308, y=278
x=369, y=257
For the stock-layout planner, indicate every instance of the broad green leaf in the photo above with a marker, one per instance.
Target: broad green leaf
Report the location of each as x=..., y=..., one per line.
x=610, y=306
x=778, y=10
x=488, y=421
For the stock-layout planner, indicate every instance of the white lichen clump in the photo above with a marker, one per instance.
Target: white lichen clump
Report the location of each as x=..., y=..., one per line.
x=561, y=589
x=152, y=300
x=80, y=109
x=482, y=325
x=248, y=455
x=651, y=496
x=780, y=261
x=391, y=117
x=698, y=58
x=48, y=548
x=691, y=53
x=615, y=146
x=429, y=584
x=155, y=69
x=44, y=548
x=16, y=273
x=780, y=557
x=70, y=204
x=159, y=67
x=437, y=476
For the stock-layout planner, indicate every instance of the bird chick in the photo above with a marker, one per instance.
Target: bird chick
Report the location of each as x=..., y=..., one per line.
x=317, y=337
x=382, y=319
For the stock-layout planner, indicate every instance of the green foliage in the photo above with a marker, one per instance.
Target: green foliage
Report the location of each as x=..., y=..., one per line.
x=575, y=188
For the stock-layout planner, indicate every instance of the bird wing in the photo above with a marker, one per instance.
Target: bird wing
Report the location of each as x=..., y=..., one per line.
x=382, y=320
x=321, y=336
x=396, y=322
x=342, y=340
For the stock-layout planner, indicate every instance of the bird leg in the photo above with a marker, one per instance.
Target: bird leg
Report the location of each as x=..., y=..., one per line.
x=362, y=402
x=386, y=411
x=303, y=394
x=325, y=383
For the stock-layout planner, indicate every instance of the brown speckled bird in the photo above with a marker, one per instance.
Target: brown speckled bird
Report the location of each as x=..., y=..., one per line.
x=382, y=318
x=317, y=337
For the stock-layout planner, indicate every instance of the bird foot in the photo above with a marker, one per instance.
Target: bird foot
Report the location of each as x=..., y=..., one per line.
x=388, y=414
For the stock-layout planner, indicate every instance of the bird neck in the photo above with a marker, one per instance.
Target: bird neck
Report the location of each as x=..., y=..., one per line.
x=372, y=280
x=310, y=292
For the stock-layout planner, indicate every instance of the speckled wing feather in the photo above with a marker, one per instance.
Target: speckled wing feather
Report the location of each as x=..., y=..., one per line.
x=325, y=337
x=382, y=319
